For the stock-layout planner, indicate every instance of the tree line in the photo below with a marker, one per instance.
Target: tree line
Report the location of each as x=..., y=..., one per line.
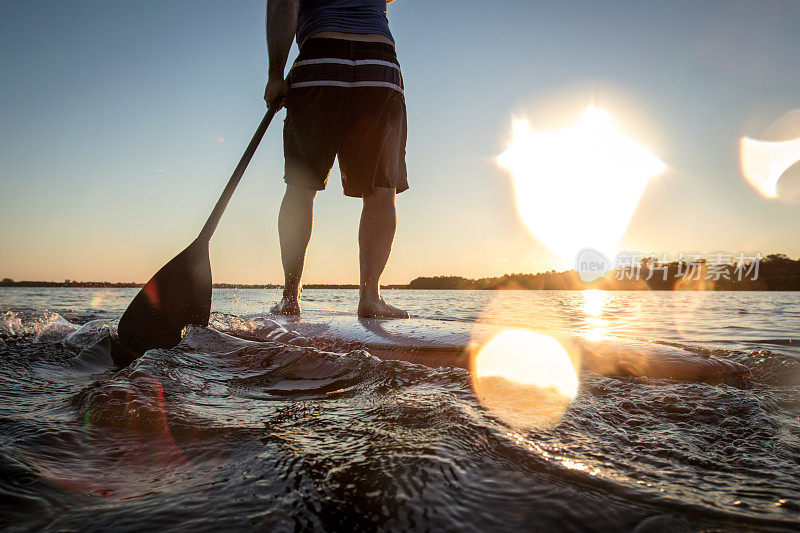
x=775, y=272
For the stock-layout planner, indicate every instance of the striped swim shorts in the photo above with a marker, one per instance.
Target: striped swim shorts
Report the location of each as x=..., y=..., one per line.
x=345, y=100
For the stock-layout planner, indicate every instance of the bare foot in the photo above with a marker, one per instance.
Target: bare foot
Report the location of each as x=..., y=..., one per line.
x=287, y=306
x=370, y=307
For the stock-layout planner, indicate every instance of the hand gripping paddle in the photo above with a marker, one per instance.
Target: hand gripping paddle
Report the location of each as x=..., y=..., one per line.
x=180, y=293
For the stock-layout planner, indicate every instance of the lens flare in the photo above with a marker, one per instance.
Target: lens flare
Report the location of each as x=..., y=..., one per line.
x=128, y=451
x=98, y=298
x=764, y=162
x=578, y=187
x=524, y=377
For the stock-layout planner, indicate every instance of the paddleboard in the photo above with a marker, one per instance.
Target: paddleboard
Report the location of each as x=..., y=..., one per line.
x=449, y=343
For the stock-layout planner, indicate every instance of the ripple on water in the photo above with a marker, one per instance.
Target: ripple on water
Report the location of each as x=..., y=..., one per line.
x=229, y=432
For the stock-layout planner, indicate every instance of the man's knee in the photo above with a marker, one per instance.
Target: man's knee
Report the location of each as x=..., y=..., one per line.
x=300, y=194
x=380, y=195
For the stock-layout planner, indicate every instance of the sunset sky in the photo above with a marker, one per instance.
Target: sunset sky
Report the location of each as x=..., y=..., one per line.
x=120, y=123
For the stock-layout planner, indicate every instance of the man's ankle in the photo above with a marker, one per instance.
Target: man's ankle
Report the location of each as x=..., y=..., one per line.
x=370, y=295
x=291, y=294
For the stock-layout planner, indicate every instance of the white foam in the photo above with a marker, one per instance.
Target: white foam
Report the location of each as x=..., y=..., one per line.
x=11, y=325
x=53, y=328
x=89, y=333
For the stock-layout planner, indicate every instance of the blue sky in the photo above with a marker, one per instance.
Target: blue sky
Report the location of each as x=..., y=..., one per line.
x=120, y=123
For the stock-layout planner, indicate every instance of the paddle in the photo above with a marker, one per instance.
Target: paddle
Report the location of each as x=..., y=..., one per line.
x=180, y=293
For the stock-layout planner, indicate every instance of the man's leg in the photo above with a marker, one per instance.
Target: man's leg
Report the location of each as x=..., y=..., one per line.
x=295, y=220
x=375, y=236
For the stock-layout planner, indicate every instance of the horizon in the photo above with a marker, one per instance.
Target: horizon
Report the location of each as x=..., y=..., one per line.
x=4, y=280
x=123, y=122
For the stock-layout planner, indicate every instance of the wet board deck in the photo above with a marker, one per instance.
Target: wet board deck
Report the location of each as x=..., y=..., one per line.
x=449, y=343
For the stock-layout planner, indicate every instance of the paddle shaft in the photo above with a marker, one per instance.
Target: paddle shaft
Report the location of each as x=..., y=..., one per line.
x=222, y=203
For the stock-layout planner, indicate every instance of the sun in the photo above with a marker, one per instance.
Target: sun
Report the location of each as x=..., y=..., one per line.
x=578, y=187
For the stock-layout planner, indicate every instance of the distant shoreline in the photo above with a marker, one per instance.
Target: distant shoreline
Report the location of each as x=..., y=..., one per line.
x=132, y=285
x=775, y=272
x=512, y=286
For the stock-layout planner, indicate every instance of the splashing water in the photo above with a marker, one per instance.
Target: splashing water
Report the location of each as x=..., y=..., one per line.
x=231, y=432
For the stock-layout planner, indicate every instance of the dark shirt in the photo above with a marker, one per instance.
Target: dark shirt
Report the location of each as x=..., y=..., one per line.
x=345, y=16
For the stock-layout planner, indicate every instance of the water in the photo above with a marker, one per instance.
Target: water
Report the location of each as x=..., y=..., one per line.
x=215, y=434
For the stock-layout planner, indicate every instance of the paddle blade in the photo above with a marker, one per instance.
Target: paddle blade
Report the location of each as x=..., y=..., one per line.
x=177, y=296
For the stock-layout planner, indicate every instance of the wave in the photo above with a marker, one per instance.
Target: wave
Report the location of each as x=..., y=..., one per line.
x=622, y=357
x=284, y=431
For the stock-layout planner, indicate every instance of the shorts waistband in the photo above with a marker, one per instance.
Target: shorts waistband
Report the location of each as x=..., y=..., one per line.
x=345, y=45
x=326, y=62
